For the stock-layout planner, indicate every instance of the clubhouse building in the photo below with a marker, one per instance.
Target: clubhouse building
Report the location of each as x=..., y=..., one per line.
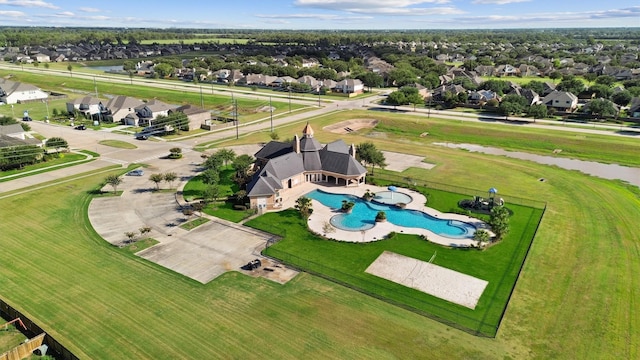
x=281, y=166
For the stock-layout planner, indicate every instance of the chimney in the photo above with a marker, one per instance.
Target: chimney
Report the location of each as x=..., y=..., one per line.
x=352, y=151
x=296, y=144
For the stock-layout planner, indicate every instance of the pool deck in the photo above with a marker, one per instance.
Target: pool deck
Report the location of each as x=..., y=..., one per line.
x=322, y=214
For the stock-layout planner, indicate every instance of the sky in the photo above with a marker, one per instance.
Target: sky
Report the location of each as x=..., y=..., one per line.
x=323, y=14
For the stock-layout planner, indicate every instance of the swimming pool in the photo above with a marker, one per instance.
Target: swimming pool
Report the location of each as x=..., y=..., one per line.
x=392, y=197
x=362, y=216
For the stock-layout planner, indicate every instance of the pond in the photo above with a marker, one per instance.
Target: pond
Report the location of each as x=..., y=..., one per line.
x=605, y=171
x=106, y=68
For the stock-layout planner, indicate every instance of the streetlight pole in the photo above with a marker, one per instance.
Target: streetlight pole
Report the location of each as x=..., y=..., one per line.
x=235, y=113
x=271, y=111
x=201, y=98
x=318, y=88
x=46, y=103
x=289, y=98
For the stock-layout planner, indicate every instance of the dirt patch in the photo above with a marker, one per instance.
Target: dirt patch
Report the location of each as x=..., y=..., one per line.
x=273, y=271
x=347, y=126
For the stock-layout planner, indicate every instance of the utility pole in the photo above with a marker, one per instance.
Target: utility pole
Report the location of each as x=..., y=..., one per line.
x=201, y=98
x=271, y=111
x=318, y=88
x=95, y=86
x=235, y=114
x=289, y=98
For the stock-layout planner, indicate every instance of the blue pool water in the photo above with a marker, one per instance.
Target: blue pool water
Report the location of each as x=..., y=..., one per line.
x=362, y=216
x=392, y=197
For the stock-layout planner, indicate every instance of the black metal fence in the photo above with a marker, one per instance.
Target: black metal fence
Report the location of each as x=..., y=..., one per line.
x=403, y=299
x=410, y=182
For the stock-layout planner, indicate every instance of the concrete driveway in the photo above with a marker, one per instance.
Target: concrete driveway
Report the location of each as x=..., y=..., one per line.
x=202, y=253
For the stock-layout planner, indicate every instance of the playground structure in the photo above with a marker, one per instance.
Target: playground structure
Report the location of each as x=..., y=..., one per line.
x=16, y=320
x=479, y=203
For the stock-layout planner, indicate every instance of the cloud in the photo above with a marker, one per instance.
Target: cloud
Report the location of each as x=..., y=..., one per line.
x=498, y=2
x=65, y=14
x=387, y=7
x=12, y=13
x=28, y=3
x=550, y=18
x=323, y=17
x=89, y=9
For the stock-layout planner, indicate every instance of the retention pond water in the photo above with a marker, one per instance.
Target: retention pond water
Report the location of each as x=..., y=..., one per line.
x=605, y=171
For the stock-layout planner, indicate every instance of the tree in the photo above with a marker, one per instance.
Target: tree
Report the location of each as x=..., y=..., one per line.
x=114, y=181
x=175, y=153
x=370, y=155
x=7, y=120
x=482, y=237
x=600, y=91
x=213, y=162
x=18, y=156
x=163, y=69
x=226, y=155
x=170, y=177
x=210, y=177
x=499, y=221
x=537, y=111
x=513, y=104
x=601, y=107
x=130, y=236
x=144, y=230
x=371, y=79
x=396, y=98
x=56, y=143
x=211, y=193
x=303, y=205
x=70, y=68
x=242, y=166
x=622, y=98
x=571, y=84
x=607, y=80
x=157, y=179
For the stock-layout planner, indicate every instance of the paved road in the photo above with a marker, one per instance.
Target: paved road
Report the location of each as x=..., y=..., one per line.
x=150, y=150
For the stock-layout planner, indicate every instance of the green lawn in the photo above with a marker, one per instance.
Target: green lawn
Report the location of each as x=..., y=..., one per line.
x=249, y=109
x=118, y=144
x=56, y=163
x=346, y=262
x=225, y=210
x=576, y=296
x=195, y=187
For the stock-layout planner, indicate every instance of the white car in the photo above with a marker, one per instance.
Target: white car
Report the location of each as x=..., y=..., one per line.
x=136, y=172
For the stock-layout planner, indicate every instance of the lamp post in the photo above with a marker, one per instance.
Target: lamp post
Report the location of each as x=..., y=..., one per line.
x=46, y=103
x=271, y=111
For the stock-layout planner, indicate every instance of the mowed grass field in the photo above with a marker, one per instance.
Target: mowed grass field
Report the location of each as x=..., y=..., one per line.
x=576, y=297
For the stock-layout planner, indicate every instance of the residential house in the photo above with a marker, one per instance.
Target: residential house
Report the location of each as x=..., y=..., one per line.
x=528, y=70
x=634, y=108
x=482, y=96
x=309, y=80
x=149, y=111
x=308, y=63
x=12, y=92
x=561, y=100
x=283, y=81
x=117, y=108
x=197, y=116
x=87, y=105
x=422, y=90
x=532, y=97
x=485, y=70
x=350, y=86
x=283, y=166
x=507, y=70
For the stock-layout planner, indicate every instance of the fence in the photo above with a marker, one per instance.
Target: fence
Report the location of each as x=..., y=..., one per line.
x=390, y=294
x=55, y=348
x=412, y=183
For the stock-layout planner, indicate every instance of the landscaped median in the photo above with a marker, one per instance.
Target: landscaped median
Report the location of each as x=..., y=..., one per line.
x=346, y=263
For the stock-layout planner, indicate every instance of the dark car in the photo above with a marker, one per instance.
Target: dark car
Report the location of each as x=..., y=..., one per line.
x=81, y=127
x=27, y=118
x=142, y=137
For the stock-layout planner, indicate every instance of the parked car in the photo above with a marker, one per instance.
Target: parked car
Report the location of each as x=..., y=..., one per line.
x=142, y=137
x=81, y=127
x=136, y=172
x=26, y=118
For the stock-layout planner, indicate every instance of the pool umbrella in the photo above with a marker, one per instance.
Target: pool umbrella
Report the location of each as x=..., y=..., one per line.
x=392, y=189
